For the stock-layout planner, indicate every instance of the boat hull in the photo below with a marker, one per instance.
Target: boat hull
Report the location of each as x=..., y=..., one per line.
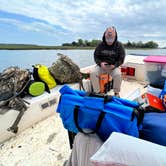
x=39, y=108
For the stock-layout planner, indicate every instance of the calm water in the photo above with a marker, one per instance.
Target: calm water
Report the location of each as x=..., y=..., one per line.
x=27, y=58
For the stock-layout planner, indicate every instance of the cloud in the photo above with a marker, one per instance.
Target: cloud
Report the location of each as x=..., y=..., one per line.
x=33, y=26
x=135, y=20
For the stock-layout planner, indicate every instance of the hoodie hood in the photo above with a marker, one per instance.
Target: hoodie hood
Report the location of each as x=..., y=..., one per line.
x=116, y=38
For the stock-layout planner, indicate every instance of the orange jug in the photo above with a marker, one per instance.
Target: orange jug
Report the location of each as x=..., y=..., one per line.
x=104, y=79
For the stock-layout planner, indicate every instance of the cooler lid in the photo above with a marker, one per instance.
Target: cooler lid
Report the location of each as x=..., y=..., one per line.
x=156, y=59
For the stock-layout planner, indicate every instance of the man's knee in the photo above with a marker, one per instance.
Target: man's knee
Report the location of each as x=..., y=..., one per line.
x=94, y=77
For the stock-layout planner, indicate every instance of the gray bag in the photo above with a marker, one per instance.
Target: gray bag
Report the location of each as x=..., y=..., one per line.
x=13, y=81
x=65, y=70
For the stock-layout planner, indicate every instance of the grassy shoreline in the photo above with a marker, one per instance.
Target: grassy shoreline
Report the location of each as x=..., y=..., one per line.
x=37, y=47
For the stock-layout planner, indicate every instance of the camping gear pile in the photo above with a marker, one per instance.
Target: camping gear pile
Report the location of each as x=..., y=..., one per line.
x=153, y=125
x=103, y=115
x=16, y=83
x=92, y=113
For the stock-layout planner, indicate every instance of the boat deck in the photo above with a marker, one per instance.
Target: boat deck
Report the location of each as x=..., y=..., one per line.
x=46, y=143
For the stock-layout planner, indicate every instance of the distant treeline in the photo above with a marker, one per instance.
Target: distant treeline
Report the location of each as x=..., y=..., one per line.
x=80, y=44
x=94, y=43
x=83, y=43
x=140, y=44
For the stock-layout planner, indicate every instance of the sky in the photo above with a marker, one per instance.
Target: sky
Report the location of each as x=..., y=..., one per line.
x=54, y=22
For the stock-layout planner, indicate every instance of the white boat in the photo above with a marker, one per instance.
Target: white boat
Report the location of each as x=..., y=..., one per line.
x=45, y=105
x=47, y=143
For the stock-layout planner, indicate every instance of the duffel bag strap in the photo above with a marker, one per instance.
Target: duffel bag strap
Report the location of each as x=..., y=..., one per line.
x=106, y=98
x=98, y=123
x=139, y=114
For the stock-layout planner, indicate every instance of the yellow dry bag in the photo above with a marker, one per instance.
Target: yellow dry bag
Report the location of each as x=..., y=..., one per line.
x=44, y=75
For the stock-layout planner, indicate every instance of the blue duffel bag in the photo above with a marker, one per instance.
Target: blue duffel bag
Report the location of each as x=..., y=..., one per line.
x=100, y=114
x=154, y=128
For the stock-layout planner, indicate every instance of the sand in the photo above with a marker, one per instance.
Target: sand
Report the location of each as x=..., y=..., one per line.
x=46, y=143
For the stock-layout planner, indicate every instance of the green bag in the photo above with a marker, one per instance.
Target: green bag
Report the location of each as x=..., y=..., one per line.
x=35, y=88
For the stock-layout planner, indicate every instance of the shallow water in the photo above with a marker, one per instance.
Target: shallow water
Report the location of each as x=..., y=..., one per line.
x=27, y=58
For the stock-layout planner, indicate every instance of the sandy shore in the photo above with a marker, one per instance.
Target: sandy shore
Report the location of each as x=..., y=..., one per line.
x=46, y=143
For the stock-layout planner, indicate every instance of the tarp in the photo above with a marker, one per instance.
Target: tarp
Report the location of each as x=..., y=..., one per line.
x=124, y=150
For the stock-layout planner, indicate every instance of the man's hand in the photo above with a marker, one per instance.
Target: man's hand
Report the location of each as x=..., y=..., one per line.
x=106, y=66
